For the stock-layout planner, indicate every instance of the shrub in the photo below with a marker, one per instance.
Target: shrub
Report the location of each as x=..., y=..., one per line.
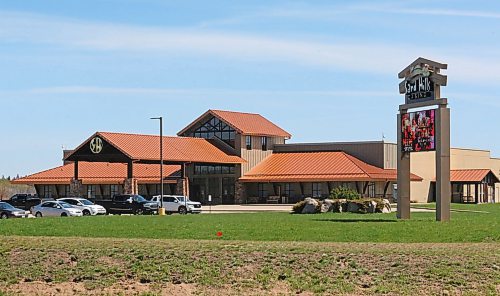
x=344, y=193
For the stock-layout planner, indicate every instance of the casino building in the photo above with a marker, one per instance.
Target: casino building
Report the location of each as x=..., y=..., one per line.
x=240, y=158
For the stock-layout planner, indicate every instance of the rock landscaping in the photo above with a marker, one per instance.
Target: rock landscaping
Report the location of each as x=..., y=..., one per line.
x=358, y=206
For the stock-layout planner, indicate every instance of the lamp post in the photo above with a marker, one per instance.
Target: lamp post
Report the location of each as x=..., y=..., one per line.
x=161, y=210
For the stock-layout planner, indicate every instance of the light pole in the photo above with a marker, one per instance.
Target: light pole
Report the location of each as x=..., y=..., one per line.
x=161, y=210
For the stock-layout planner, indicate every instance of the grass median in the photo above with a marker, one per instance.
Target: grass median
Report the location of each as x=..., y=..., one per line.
x=379, y=228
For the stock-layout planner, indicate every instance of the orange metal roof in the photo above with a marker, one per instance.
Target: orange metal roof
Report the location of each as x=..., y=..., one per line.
x=245, y=123
x=317, y=166
x=102, y=173
x=175, y=149
x=469, y=175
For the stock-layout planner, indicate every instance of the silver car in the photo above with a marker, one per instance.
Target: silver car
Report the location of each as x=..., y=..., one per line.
x=55, y=209
x=87, y=207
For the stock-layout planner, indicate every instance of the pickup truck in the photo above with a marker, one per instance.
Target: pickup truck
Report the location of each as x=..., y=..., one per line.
x=178, y=204
x=24, y=201
x=128, y=204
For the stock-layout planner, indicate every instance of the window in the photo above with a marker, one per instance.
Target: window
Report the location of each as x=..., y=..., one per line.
x=264, y=143
x=47, y=191
x=316, y=190
x=371, y=189
x=71, y=202
x=91, y=191
x=215, y=128
x=120, y=198
x=288, y=190
x=213, y=169
x=113, y=189
x=248, y=141
x=49, y=205
x=263, y=191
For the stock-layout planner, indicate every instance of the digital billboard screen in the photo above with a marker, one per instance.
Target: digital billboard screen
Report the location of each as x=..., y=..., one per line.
x=418, y=131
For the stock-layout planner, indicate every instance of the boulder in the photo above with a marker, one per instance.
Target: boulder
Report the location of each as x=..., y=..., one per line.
x=327, y=206
x=372, y=207
x=312, y=206
x=387, y=206
x=353, y=207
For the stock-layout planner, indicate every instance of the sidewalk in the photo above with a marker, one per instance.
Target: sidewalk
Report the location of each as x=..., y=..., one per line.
x=218, y=209
x=282, y=208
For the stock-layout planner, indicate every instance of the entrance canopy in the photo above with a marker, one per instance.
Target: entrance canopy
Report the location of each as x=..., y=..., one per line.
x=126, y=148
x=317, y=167
x=474, y=176
x=102, y=173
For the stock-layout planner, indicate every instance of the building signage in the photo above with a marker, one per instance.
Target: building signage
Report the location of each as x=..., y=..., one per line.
x=419, y=86
x=422, y=81
x=418, y=131
x=96, y=145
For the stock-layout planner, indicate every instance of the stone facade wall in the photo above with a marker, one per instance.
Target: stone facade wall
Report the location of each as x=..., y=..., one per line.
x=76, y=188
x=240, y=196
x=130, y=186
x=182, y=187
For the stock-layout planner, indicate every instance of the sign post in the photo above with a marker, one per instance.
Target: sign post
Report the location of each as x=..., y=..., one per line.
x=421, y=131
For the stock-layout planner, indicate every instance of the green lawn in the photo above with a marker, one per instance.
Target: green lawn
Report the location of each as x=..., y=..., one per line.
x=464, y=227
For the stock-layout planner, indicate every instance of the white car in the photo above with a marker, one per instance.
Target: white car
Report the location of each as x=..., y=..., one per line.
x=55, y=209
x=87, y=207
x=178, y=204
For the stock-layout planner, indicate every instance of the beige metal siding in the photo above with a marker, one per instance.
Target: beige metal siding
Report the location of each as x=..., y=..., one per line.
x=369, y=152
x=256, y=155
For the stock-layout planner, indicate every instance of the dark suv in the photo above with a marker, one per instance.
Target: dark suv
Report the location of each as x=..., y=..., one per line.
x=128, y=204
x=24, y=201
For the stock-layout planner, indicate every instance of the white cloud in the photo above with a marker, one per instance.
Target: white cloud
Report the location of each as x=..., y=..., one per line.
x=374, y=58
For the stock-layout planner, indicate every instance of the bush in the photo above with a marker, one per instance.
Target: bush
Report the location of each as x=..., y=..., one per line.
x=344, y=193
x=298, y=207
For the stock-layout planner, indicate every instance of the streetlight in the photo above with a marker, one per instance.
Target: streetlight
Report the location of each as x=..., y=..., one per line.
x=161, y=210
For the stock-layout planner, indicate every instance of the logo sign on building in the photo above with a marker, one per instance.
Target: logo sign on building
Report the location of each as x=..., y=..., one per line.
x=96, y=145
x=418, y=131
x=422, y=81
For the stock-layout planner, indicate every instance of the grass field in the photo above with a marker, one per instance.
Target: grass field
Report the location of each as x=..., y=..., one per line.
x=65, y=266
x=465, y=227
x=258, y=254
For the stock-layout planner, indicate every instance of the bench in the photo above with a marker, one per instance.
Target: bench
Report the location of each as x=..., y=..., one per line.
x=273, y=199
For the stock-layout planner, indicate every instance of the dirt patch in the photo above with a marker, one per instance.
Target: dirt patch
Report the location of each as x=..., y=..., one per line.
x=111, y=267
x=129, y=288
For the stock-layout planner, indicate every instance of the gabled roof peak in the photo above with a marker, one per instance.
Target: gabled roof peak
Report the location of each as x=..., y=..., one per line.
x=245, y=123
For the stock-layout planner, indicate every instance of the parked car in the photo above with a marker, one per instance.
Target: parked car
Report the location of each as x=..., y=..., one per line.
x=128, y=204
x=87, y=207
x=178, y=204
x=9, y=211
x=55, y=209
x=24, y=201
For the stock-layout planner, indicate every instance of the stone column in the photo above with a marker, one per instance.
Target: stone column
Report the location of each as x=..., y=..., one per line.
x=130, y=186
x=182, y=187
x=240, y=196
x=76, y=188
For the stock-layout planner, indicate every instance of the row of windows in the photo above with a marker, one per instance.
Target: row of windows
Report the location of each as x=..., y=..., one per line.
x=263, y=143
x=91, y=191
x=213, y=169
x=316, y=192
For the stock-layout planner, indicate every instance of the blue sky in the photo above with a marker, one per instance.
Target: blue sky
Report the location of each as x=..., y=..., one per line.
x=322, y=70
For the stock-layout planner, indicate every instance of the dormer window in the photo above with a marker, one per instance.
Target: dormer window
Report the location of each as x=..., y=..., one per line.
x=215, y=128
x=248, y=141
x=264, y=143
